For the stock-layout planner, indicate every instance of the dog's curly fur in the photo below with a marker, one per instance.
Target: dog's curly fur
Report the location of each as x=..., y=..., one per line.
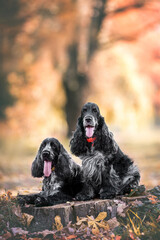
x=63, y=183
x=107, y=170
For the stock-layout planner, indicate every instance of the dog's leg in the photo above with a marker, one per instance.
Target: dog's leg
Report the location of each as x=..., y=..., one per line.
x=51, y=200
x=126, y=186
x=107, y=191
x=130, y=181
x=87, y=193
x=27, y=199
x=110, y=181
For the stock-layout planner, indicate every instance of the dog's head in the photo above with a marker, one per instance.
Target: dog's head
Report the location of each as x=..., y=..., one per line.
x=91, y=126
x=48, y=153
x=90, y=118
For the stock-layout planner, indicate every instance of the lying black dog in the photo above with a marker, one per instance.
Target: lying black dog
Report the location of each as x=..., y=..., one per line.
x=62, y=176
x=107, y=170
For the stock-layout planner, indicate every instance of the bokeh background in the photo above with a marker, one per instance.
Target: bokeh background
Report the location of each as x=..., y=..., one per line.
x=57, y=55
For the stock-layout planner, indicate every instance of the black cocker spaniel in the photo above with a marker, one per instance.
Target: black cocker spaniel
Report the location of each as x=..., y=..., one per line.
x=107, y=171
x=62, y=176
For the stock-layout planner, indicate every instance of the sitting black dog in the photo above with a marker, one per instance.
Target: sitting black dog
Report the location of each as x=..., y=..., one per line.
x=62, y=176
x=107, y=171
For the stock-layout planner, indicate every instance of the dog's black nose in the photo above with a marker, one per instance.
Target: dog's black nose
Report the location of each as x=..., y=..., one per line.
x=88, y=119
x=46, y=154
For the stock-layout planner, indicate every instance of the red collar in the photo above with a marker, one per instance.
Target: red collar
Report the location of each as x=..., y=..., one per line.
x=91, y=140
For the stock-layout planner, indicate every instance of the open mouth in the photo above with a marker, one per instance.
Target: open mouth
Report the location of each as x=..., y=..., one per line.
x=47, y=158
x=47, y=168
x=89, y=131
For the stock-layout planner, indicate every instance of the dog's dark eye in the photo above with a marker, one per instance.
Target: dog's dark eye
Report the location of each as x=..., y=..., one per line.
x=52, y=145
x=84, y=109
x=94, y=110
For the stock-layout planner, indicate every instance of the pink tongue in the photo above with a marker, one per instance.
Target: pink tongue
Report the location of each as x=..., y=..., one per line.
x=89, y=131
x=47, y=168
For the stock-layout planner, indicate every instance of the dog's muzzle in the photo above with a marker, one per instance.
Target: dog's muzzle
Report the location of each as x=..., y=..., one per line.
x=88, y=121
x=47, y=156
x=89, y=125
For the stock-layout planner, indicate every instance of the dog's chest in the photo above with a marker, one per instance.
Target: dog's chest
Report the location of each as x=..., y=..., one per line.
x=93, y=167
x=51, y=184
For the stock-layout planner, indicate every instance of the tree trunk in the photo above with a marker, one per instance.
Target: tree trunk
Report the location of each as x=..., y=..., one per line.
x=80, y=52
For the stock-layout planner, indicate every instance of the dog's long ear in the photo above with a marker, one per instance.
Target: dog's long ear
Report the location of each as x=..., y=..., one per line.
x=112, y=145
x=101, y=123
x=37, y=165
x=63, y=166
x=108, y=143
x=80, y=123
x=77, y=142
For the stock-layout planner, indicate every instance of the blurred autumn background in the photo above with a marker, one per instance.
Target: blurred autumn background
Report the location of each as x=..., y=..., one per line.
x=57, y=55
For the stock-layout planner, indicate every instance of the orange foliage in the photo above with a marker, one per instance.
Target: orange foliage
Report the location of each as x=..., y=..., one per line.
x=123, y=78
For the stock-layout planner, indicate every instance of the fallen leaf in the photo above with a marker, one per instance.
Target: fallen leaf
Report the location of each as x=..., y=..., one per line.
x=80, y=221
x=95, y=229
x=132, y=235
x=9, y=194
x=18, y=231
x=153, y=196
x=35, y=238
x=120, y=209
x=137, y=202
x=113, y=223
x=7, y=235
x=45, y=233
x=153, y=199
x=28, y=218
x=112, y=235
x=152, y=224
x=71, y=237
x=58, y=223
x=101, y=216
x=90, y=217
x=118, y=237
x=17, y=211
x=102, y=225
x=71, y=230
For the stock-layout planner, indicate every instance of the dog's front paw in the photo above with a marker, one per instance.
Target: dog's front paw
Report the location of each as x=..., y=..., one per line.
x=40, y=202
x=81, y=197
x=21, y=201
x=106, y=195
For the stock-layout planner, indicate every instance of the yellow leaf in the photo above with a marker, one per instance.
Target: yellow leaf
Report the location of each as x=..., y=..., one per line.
x=9, y=194
x=101, y=216
x=80, y=221
x=58, y=223
x=90, y=218
x=152, y=224
x=28, y=218
x=95, y=229
x=91, y=223
x=101, y=225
